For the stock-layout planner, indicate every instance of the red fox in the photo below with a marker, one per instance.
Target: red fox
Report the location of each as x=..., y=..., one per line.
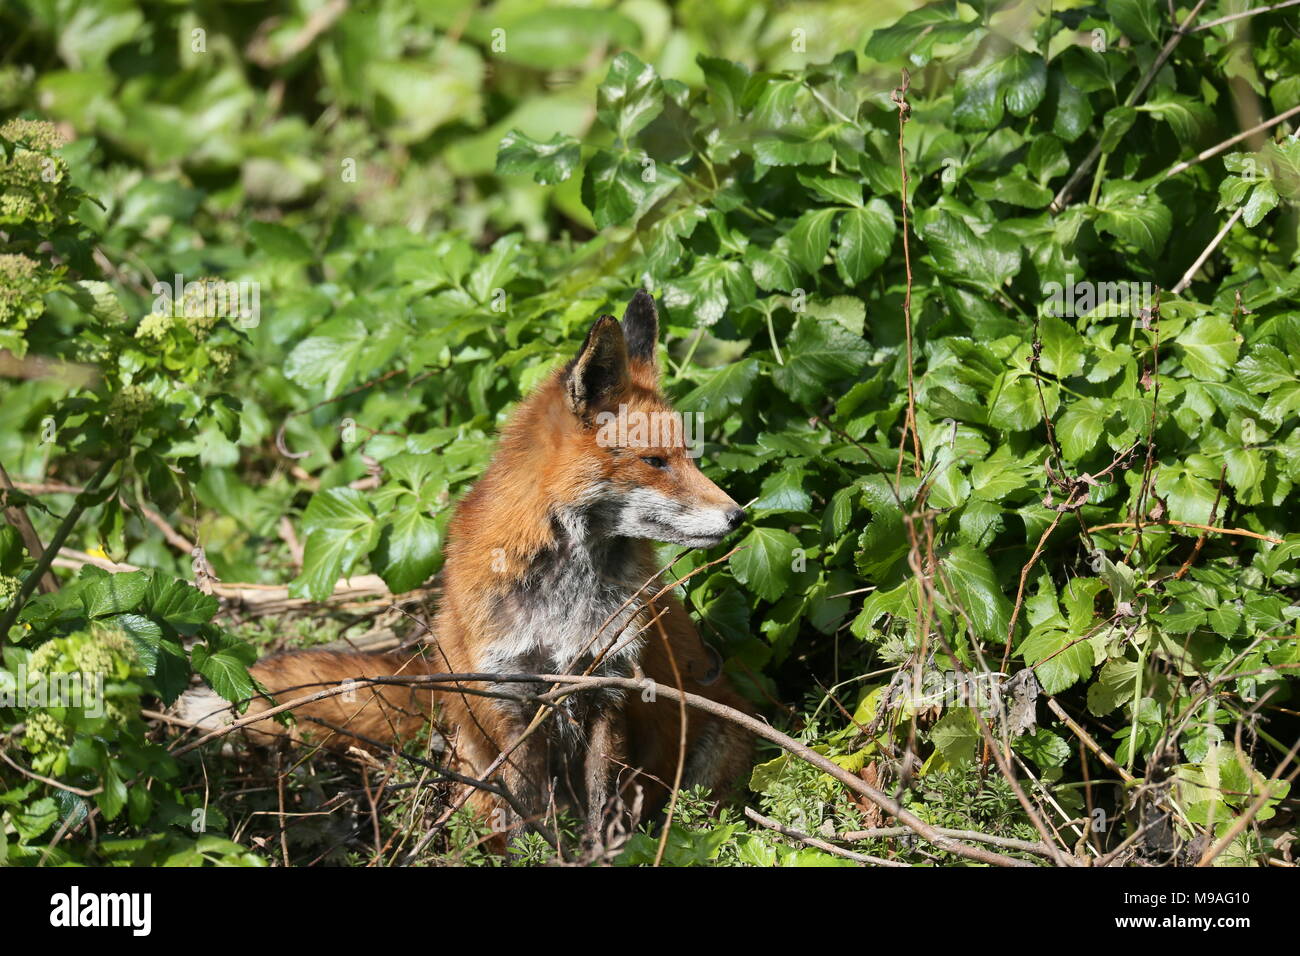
x=547, y=563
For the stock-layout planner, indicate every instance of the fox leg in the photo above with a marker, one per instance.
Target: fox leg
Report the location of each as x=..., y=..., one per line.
x=606, y=752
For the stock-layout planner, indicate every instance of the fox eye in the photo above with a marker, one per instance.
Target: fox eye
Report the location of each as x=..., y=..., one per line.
x=654, y=461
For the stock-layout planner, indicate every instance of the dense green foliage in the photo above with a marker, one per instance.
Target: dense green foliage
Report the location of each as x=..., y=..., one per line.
x=432, y=213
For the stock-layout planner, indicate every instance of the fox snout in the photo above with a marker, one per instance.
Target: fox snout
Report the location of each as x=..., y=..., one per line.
x=693, y=511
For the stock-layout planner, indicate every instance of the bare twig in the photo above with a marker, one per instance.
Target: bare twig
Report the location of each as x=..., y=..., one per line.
x=1213, y=151
x=1241, y=532
x=822, y=845
x=19, y=518
x=1243, y=821
x=1245, y=13
x=1082, y=170
x=45, y=560
x=899, y=96
x=584, y=682
x=1186, y=280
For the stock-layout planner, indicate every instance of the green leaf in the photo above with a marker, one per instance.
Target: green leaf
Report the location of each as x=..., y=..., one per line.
x=1080, y=427
x=1263, y=199
x=765, y=563
x=1114, y=686
x=224, y=672
x=983, y=261
x=978, y=593
x=145, y=634
x=1059, y=660
x=330, y=357
x=1115, y=125
x=727, y=386
x=114, y=593
x=810, y=238
x=881, y=546
x=865, y=237
x=631, y=96
x=547, y=163
x=1138, y=19
x=624, y=185
x=784, y=490
x=1134, y=214
x=1017, y=80
x=279, y=243
x=1062, y=347
x=408, y=550
x=917, y=32
x=181, y=605
x=819, y=354
x=956, y=736
x=340, y=529
x=1209, y=346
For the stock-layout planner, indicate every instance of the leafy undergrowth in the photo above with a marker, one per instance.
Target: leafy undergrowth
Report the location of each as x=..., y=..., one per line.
x=1007, y=439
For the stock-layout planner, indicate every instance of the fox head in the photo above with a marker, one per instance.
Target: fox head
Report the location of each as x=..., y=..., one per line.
x=641, y=476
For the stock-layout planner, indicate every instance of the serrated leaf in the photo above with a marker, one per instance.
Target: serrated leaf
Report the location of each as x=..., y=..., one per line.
x=818, y=354
x=550, y=162
x=764, y=564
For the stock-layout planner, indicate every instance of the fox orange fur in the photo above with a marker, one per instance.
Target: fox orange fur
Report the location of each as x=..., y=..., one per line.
x=548, y=570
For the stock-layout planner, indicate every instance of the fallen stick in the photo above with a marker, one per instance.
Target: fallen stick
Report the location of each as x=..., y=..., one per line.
x=582, y=682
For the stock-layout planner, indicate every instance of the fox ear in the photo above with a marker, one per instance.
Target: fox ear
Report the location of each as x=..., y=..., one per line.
x=600, y=371
x=641, y=327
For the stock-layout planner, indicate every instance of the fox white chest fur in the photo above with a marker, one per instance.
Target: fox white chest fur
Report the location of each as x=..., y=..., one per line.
x=578, y=600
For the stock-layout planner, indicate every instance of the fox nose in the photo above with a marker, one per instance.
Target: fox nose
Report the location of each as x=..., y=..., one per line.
x=734, y=517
